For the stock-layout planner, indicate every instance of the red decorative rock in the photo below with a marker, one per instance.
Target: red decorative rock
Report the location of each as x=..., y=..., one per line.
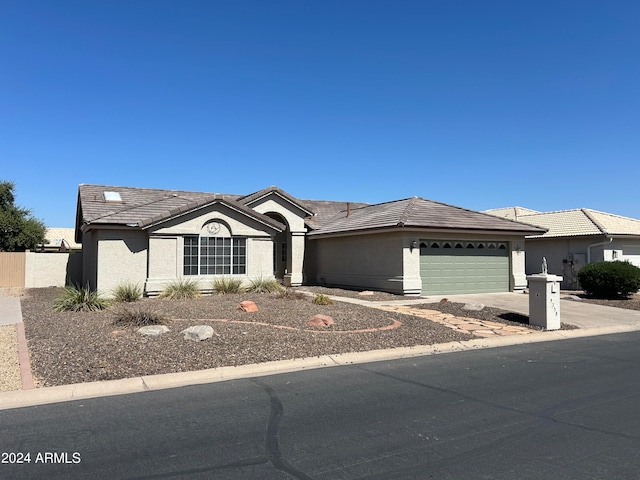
x=248, y=306
x=366, y=293
x=321, y=321
x=444, y=300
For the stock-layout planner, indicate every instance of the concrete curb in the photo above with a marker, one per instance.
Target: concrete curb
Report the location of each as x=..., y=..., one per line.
x=79, y=391
x=23, y=359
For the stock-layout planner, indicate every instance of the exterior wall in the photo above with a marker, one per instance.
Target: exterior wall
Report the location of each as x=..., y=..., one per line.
x=166, y=247
x=297, y=231
x=565, y=256
x=122, y=257
x=90, y=259
x=52, y=269
x=374, y=261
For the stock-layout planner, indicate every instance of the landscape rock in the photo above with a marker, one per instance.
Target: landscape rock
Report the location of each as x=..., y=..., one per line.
x=473, y=307
x=153, y=330
x=321, y=321
x=198, y=333
x=572, y=297
x=366, y=293
x=248, y=306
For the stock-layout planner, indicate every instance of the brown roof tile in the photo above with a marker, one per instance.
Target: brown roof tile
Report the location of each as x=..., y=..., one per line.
x=420, y=213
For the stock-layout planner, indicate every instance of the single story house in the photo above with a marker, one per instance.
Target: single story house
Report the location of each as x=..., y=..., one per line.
x=412, y=246
x=574, y=238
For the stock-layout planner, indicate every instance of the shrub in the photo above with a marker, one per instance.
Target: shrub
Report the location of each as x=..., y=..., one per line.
x=227, y=285
x=260, y=285
x=290, y=294
x=77, y=299
x=322, y=300
x=127, y=292
x=181, y=289
x=609, y=279
x=140, y=316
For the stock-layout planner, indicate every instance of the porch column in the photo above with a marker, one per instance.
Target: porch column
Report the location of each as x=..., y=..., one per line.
x=293, y=277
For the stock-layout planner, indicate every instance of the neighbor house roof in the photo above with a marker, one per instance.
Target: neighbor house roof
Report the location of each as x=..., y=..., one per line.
x=512, y=213
x=143, y=207
x=418, y=212
x=578, y=222
x=61, y=239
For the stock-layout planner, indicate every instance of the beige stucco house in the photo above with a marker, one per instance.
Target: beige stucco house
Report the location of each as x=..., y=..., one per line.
x=574, y=238
x=412, y=246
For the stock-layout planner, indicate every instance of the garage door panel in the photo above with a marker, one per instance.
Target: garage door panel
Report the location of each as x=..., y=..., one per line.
x=450, y=271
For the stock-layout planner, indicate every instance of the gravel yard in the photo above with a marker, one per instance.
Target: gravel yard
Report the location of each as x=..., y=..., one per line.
x=74, y=347
x=9, y=366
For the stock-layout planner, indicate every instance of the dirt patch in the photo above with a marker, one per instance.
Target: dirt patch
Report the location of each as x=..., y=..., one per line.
x=73, y=347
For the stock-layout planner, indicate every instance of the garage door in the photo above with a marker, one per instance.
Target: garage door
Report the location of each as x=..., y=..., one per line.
x=451, y=266
x=631, y=253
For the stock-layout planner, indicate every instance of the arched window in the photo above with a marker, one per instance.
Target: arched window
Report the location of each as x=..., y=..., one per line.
x=435, y=245
x=502, y=246
x=446, y=245
x=481, y=245
x=470, y=245
x=459, y=245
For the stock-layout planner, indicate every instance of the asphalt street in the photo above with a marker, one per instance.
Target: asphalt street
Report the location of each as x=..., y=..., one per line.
x=566, y=409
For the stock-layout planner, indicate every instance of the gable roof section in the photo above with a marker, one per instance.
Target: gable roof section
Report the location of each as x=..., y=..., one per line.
x=418, y=212
x=144, y=207
x=582, y=222
x=259, y=195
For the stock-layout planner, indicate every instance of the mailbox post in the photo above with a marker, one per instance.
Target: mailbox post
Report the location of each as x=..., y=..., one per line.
x=544, y=299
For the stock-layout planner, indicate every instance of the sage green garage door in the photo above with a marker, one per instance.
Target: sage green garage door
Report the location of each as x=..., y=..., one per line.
x=451, y=266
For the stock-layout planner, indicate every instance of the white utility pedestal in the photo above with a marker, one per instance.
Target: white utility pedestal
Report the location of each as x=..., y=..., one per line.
x=544, y=300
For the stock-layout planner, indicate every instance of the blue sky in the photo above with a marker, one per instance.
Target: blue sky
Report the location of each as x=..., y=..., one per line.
x=480, y=104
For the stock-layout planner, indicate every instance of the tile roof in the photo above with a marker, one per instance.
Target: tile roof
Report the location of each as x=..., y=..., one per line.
x=512, y=213
x=325, y=210
x=143, y=207
x=576, y=222
x=419, y=213
x=249, y=199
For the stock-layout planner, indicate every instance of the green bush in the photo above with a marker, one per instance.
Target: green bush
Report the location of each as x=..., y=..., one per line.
x=227, y=285
x=260, y=285
x=609, y=279
x=322, y=300
x=140, y=316
x=77, y=299
x=181, y=289
x=127, y=292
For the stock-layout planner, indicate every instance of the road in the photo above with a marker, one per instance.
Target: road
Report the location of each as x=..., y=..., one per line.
x=558, y=410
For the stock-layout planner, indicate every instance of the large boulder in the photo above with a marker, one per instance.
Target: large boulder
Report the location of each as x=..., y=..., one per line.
x=321, y=321
x=198, y=333
x=153, y=330
x=248, y=306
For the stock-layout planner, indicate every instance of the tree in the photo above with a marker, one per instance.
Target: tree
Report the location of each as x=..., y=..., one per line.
x=19, y=230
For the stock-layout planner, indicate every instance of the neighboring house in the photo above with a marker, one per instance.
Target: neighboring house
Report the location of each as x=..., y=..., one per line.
x=412, y=246
x=575, y=238
x=60, y=240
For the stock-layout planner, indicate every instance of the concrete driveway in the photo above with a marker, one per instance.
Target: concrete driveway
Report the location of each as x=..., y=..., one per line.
x=580, y=314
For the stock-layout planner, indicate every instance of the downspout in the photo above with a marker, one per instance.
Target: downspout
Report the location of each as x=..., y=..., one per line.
x=597, y=245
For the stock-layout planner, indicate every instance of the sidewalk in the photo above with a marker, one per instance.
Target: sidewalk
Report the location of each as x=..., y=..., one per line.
x=15, y=367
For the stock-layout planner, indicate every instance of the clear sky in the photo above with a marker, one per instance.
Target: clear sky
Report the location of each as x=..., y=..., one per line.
x=476, y=103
